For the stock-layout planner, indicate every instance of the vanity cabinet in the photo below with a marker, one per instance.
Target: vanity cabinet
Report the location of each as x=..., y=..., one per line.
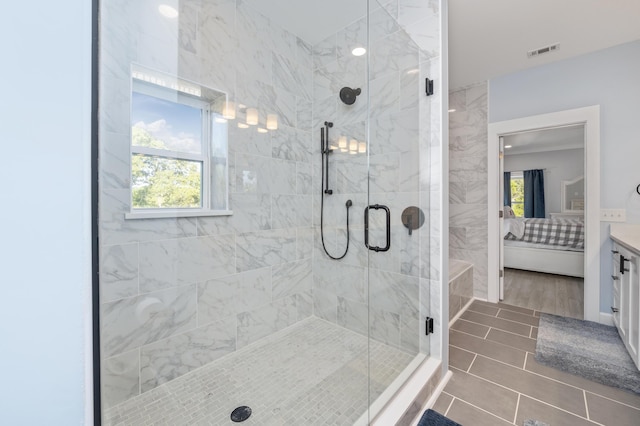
x=626, y=298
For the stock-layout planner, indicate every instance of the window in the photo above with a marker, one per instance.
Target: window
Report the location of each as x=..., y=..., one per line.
x=517, y=193
x=178, y=148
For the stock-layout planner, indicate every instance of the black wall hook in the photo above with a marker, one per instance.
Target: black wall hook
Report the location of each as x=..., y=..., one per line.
x=638, y=189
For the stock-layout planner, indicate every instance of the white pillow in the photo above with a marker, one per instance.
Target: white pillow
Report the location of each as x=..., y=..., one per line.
x=508, y=212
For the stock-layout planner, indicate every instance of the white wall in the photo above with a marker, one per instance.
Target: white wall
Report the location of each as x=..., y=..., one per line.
x=45, y=262
x=561, y=165
x=608, y=78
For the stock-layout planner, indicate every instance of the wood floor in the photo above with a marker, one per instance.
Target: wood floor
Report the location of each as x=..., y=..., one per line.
x=496, y=380
x=553, y=294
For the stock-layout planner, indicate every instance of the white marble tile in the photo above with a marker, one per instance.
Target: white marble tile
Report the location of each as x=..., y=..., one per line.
x=304, y=178
x=340, y=279
x=292, y=278
x=382, y=22
x=304, y=112
x=384, y=326
x=457, y=237
x=259, y=323
x=114, y=229
x=233, y=294
x=304, y=243
x=391, y=54
x=304, y=53
x=352, y=36
x=394, y=292
x=181, y=261
x=136, y=321
x=384, y=173
x=167, y=359
x=115, y=154
x=397, y=132
x=289, y=143
x=120, y=378
x=385, y=95
x=476, y=192
x=467, y=215
x=115, y=105
x=353, y=315
x=282, y=176
x=425, y=311
x=304, y=304
x=265, y=248
x=409, y=89
x=323, y=110
x=251, y=212
x=252, y=173
x=118, y=272
x=290, y=211
x=410, y=333
x=435, y=290
x=325, y=305
x=325, y=51
x=411, y=11
x=247, y=141
x=289, y=76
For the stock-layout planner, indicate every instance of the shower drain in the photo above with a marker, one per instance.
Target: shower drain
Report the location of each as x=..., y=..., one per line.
x=240, y=414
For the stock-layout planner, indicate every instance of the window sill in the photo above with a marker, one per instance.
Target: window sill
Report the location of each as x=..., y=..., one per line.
x=175, y=214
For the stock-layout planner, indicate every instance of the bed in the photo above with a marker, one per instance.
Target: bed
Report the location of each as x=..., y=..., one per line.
x=553, y=246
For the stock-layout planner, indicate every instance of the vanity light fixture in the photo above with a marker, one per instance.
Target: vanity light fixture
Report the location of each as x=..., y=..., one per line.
x=229, y=110
x=262, y=130
x=243, y=126
x=168, y=11
x=358, y=51
x=362, y=147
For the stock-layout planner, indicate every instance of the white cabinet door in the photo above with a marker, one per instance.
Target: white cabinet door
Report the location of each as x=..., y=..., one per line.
x=628, y=321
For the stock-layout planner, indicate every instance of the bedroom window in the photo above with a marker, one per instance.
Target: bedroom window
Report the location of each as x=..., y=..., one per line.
x=178, y=148
x=517, y=193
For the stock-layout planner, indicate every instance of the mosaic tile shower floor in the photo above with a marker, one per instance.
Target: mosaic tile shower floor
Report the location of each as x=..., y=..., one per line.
x=313, y=373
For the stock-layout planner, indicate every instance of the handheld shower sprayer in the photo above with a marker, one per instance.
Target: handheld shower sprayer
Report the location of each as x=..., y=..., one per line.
x=325, y=149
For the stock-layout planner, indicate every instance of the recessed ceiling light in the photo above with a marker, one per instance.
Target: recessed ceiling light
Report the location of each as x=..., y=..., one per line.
x=168, y=11
x=508, y=146
x=358, y=51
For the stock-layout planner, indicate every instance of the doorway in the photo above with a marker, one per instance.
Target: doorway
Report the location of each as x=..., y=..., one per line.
x=587, y=117
x=542, y=232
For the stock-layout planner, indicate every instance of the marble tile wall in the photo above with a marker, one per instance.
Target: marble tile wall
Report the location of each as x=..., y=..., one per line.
x=179, y=293
x=403, y=135
x=468, y=181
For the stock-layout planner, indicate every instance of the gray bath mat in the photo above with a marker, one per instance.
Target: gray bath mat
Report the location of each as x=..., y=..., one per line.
x=587, y=349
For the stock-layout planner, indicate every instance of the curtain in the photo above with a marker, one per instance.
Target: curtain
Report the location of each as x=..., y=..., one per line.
x=533, y=193
x=507, y=189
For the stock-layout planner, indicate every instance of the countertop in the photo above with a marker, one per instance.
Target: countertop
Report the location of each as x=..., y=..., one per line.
x=626, y=234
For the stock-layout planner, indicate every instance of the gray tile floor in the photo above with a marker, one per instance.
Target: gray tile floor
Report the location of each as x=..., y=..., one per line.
x=553, y=294
x=313, y=373
x=496, y=380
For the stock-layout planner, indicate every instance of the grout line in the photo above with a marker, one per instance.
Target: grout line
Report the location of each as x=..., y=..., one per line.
x=487, y=333
x=611, y=399
x=453, y=398
x=524, y=366
x=502, y=319
x=586, y=404
x=515, y=415
x=472, y=361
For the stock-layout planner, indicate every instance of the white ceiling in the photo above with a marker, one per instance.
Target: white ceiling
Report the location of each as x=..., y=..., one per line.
x=489, y=38
x=559, y=138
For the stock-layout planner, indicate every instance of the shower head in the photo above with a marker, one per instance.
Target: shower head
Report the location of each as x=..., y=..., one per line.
x=348, y=95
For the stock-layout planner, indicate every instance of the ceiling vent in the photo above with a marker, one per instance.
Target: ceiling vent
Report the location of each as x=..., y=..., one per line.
x=543, y=50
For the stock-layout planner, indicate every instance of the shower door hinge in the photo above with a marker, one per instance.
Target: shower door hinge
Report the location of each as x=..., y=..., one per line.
x=429, y=324
x=429, y=87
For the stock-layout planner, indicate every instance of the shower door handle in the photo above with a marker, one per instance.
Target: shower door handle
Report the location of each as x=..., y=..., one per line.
x=387, y=213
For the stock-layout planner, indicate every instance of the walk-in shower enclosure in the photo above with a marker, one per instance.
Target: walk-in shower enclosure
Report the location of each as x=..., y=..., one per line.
x=215, y=290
